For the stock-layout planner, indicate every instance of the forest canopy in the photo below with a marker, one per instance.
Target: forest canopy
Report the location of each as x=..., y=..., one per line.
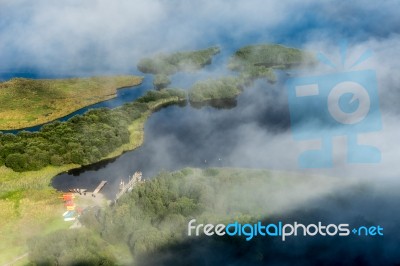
x=251, y=63
x=216, y=89
x=154, y=216
x=83, y=139
x=168, y=64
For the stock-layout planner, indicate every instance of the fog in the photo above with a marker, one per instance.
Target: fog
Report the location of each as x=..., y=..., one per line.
x=87, y=36
x=96, y=37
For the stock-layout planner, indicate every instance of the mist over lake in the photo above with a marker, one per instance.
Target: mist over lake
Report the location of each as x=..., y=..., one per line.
x=251, y=131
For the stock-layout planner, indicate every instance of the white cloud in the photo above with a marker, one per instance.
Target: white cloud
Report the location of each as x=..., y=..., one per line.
x=78, y=36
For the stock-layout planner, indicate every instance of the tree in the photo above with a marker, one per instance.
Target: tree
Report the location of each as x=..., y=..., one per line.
x=17, y=161
x=70, y=247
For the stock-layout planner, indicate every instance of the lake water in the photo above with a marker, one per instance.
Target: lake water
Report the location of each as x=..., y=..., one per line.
x=184, y=136
x=124, y=95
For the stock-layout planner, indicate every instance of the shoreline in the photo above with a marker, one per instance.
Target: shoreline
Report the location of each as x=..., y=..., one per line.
x=136, y=137
x=55, y=116
x=29, y=198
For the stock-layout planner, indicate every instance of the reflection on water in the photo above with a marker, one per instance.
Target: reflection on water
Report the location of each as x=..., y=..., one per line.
x=124, y=95
x=178, y=137
x=204, y=136
x=217, y=103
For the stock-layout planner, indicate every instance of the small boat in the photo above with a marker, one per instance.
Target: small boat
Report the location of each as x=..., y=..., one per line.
x=70, y=214
x=71, y=208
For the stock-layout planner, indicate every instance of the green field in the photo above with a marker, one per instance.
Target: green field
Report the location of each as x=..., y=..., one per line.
x=30, y=102
x=28, y=207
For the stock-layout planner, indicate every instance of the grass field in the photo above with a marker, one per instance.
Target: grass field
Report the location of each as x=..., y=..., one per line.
x=30, y=207
x=30, y=102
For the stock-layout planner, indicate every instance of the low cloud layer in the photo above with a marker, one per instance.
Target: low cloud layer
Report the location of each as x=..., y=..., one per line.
x=94, y=37
x=100, y=35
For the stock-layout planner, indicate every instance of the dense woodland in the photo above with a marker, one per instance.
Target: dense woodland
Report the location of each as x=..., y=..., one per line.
x=155, y=214
x=71, y=247
x=251, y=62
x=221, y=88
x=151, y=222
x=83, y=139
x=268, y=56
x=168, y=64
